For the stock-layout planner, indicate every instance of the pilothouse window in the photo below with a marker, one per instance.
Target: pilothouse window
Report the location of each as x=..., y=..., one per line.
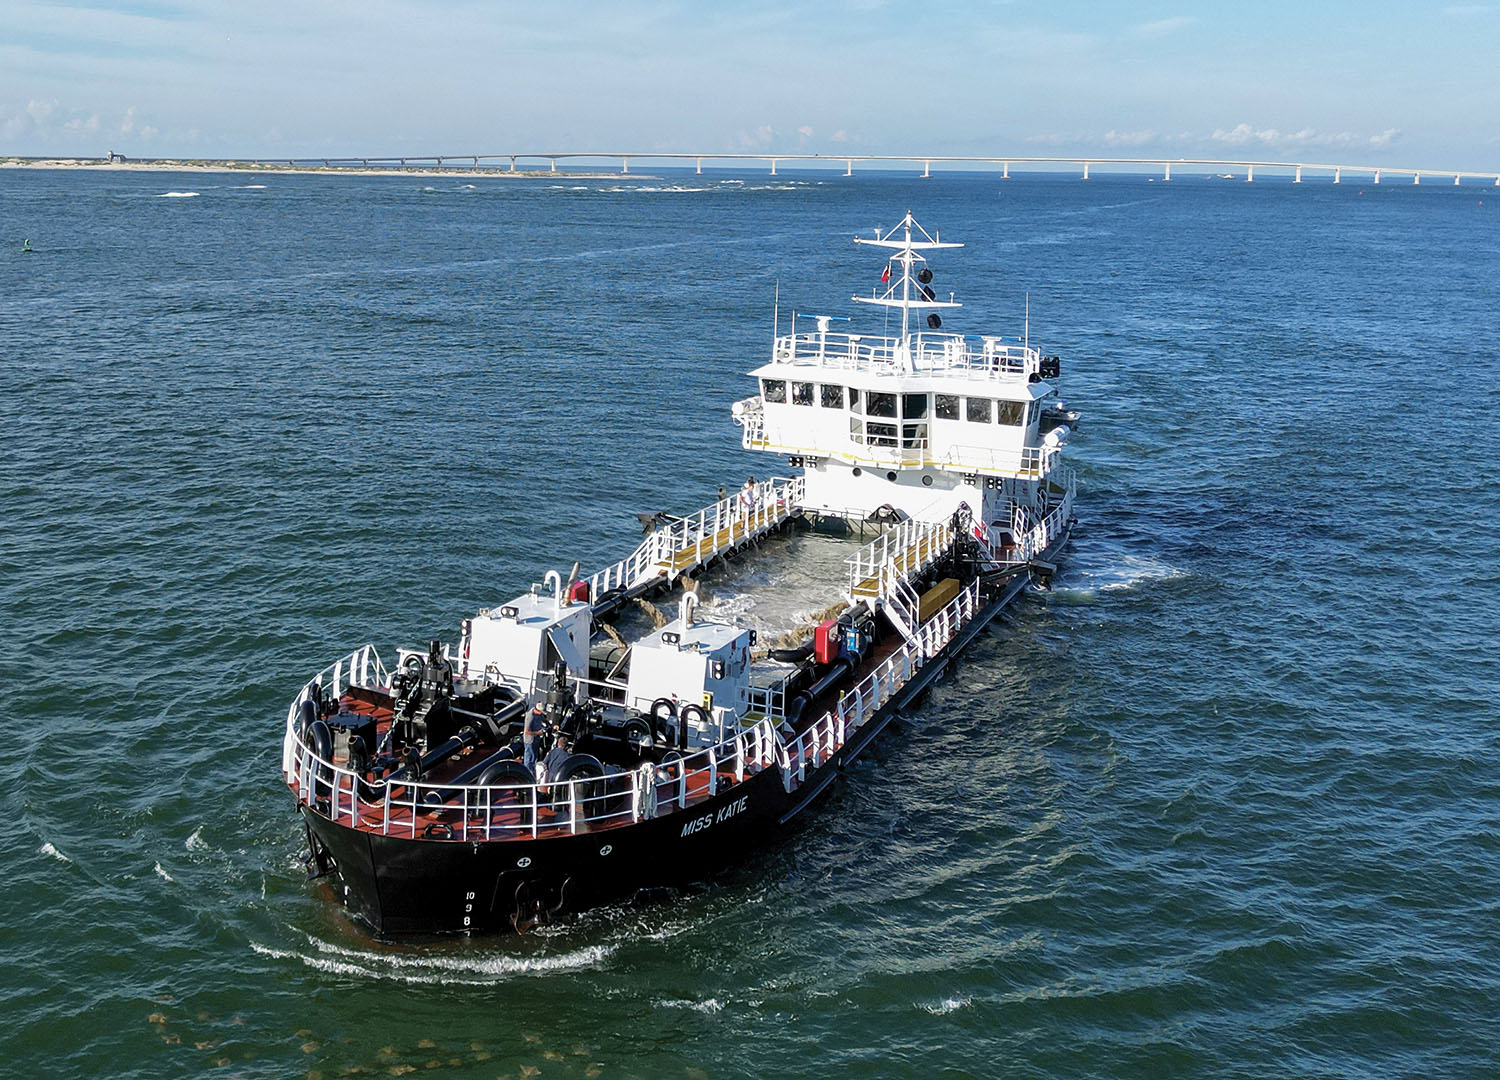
x=914, y=406
x=802, y=393
x=881, y=434
x=833, y=397
x=880, y=404
x=979, y=410
x=1010, y=412
x=945, y=407
x=773, y=390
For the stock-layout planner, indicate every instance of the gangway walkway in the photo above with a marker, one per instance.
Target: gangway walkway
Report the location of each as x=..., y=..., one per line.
x=684, y=544
x=882, y=571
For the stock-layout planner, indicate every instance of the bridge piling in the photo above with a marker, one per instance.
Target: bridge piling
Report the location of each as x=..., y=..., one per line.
x=773, y=166
x=1336, y=174
x=1005, y=171
x=1377, y=176
x=1250, y=174
x=849, y=169
x=1297, y=179
x=624, y=165
x=926, y=170
x=700, y=166
x=1085, y=170
x=1167, y=165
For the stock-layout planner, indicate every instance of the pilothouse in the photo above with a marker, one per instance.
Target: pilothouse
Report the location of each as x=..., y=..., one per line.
x=934, y=455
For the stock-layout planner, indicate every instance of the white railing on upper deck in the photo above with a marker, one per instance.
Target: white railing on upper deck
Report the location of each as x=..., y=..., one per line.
x=473, y=812
x=984, y=357
x=713, y=529
x=1034, y=534
x=361, y=668
x=904, y=548
x=1025, y=461
x=828, y=734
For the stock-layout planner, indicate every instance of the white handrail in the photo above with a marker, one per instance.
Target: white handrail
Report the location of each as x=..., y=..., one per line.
x=986, y=356
x=711, y=530
x=468, y=811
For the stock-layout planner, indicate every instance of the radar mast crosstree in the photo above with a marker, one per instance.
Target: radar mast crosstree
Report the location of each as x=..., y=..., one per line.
x=911, y=291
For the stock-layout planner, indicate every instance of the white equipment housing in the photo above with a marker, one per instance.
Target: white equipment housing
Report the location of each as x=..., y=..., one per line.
x=692, y=662
x=530, y=634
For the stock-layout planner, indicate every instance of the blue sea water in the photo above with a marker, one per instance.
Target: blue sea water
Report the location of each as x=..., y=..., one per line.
x=1224, y=802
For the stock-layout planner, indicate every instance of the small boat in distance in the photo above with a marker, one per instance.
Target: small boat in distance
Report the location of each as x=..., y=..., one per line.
x=552, y=758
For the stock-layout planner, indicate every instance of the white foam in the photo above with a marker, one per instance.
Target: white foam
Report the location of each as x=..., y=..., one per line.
x=178, y=195
x=947, y=1005
x=249, y=187
x=709, y=1005
x=162, y=873
x=1087, y=574
x=48, y=849
x=425, y=969
x=195, y=842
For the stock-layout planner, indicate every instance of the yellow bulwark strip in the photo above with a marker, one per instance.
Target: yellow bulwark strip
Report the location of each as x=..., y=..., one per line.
x=690, y=556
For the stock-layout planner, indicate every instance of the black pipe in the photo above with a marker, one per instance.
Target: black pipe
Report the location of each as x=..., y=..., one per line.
x=465, y=738
x=505, y=753
x=836, y=671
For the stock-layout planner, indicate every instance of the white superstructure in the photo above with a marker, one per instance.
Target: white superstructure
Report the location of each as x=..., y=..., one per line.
x=917, y=425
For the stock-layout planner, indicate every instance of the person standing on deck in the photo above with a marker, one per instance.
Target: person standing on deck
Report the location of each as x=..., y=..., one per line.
x=536, y=725
x=747, y=500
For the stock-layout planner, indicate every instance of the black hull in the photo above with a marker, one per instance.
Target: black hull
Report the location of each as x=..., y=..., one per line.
x=405, y=886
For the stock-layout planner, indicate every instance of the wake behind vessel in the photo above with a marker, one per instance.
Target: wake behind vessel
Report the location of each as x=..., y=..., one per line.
x=659, y=754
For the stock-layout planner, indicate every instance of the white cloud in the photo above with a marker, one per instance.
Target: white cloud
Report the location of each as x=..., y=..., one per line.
x=1132, y=138
x=1162, y=27
x=1245, y=135
x=49, y=125
x=1241, y=135
x=758, y=139
x=805, y=131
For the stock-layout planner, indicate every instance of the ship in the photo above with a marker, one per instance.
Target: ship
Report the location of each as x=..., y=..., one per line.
x=561, y=753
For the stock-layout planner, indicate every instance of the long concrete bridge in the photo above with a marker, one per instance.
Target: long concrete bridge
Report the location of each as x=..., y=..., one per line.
x=1085, y=164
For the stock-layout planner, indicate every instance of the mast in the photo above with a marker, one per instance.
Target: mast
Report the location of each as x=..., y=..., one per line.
x=910, y=293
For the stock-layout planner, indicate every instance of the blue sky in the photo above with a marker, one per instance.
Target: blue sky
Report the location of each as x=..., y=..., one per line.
x=1404, y=84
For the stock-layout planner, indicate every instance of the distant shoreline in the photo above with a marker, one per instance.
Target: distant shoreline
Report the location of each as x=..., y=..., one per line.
x=258, y=168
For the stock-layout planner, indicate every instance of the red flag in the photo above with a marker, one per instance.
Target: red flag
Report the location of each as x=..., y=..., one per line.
x=885, y=275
